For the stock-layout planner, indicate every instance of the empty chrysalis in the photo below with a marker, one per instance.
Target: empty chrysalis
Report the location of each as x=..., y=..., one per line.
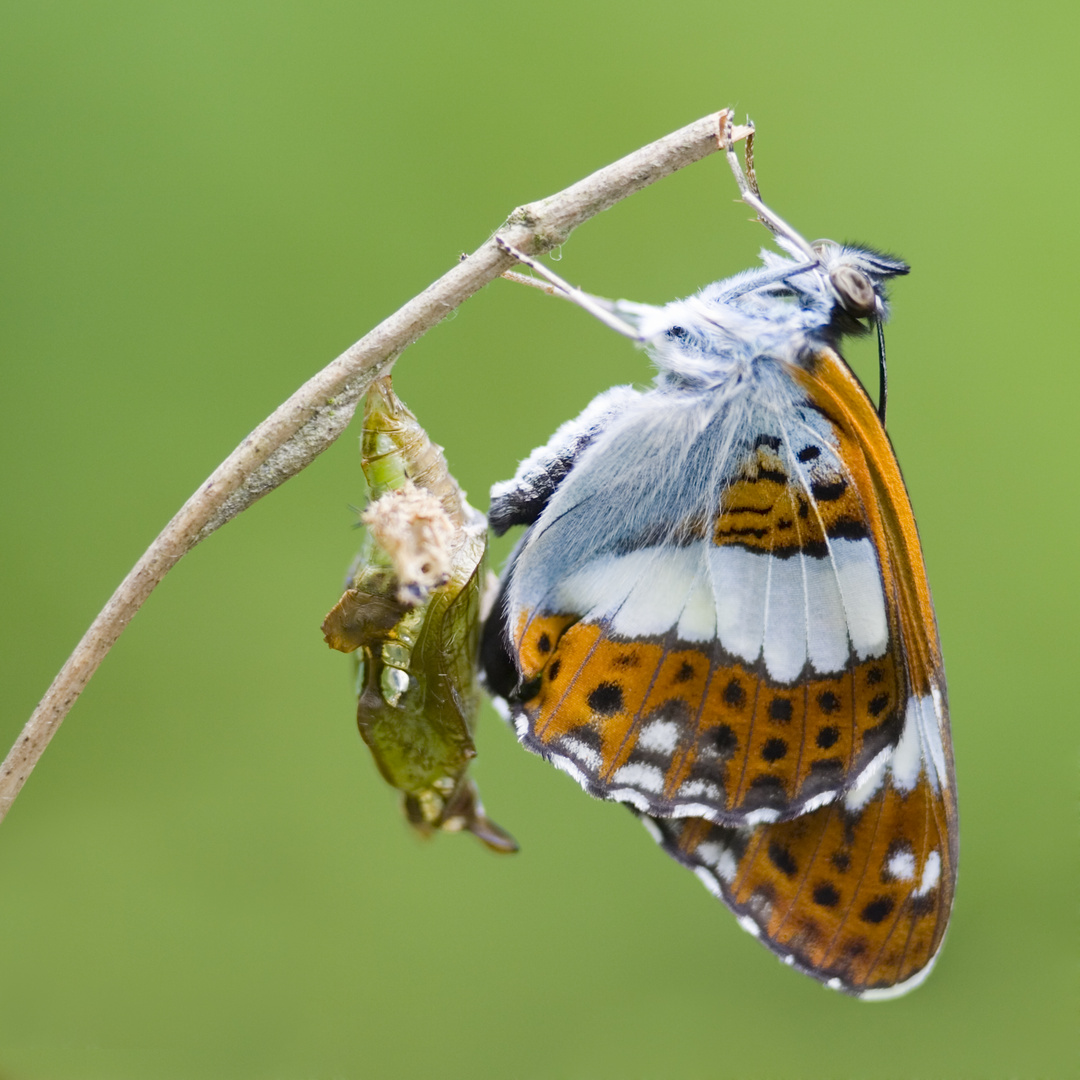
x=411, y=617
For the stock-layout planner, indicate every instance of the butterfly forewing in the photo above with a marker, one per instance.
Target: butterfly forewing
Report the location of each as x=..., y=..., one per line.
x=743, y=669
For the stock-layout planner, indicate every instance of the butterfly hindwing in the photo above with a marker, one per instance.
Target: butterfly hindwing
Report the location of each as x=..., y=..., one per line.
x=857, y=893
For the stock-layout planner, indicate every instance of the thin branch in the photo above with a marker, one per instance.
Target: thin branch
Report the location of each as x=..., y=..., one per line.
x=305, y=425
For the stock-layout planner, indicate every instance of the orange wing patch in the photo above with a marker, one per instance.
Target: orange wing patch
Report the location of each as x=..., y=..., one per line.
x=765, y=511
x=861, y=898
x=536, y=640
x=668, y=724
x=867, y=453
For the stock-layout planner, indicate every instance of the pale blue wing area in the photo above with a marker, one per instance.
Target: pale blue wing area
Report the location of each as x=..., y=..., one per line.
x=654, y=479
x=521, y=500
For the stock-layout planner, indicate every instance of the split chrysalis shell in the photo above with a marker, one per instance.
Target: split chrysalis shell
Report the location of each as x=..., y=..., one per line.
x=411, y=616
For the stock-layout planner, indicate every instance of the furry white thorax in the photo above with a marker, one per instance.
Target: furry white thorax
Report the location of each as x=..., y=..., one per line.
x=707, y=340
x=777, y=313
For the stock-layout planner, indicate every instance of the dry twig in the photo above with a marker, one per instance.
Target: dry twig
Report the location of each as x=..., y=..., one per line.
x=305, y=425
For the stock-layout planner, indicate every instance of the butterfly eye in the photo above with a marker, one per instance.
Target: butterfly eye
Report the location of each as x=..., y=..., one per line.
x=854, y=289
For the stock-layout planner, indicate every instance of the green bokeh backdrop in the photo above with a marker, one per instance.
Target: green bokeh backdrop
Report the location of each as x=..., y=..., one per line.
x=202, y=203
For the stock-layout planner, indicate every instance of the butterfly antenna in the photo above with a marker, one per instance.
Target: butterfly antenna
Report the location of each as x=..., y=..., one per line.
x=592, y=304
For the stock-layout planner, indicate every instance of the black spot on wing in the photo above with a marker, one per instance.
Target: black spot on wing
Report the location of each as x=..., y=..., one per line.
x=828, y=702
x=780, y=710
x=847, y=529
x=606, y=699
x=825, y=895
x=724, y=740
x=815, y=549
x=878, y=705
x=685, y=673
x=782, y=859
x=777, y=476
x=774, y=750
x=758, y=534
x=735, y=694
x=828, y=490
x=827, y=737
x=878, y=910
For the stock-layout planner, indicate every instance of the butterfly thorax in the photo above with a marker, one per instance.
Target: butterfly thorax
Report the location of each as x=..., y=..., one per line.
x=785, y=312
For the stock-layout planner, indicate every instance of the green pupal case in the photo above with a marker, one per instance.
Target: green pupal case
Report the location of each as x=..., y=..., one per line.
x=411, y=617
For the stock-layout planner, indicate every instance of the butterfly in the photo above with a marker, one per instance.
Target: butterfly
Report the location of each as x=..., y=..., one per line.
x=719, y=615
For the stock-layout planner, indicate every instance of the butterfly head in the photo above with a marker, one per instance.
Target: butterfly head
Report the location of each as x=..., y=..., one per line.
x=856, y=279
x=791, y=305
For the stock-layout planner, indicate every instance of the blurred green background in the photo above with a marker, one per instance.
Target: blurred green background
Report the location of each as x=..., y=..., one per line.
x=203, y=203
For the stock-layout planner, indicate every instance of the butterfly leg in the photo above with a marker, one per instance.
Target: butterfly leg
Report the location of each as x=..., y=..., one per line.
x=596, y=306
